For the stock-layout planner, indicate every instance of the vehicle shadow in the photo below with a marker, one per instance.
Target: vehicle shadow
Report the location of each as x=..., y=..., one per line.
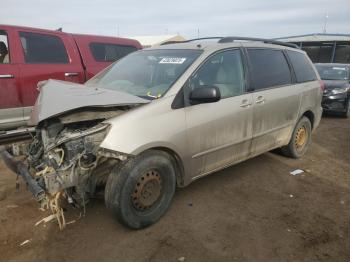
x=332, y=115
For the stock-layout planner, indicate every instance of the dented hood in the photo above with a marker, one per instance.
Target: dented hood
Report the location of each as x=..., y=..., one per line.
x=57, y=97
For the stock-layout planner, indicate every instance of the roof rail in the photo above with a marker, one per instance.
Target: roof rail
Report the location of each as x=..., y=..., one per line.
x=171, y=42
x=191, y=40
x=203, y=38
x=230, y=39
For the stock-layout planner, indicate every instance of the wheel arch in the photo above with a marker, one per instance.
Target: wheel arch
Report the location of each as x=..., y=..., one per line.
x=311, y=116
x=177, y=161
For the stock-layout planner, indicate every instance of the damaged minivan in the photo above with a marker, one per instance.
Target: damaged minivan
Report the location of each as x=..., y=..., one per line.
x=163, y=117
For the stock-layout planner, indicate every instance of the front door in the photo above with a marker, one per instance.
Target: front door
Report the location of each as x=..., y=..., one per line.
x=219, y=133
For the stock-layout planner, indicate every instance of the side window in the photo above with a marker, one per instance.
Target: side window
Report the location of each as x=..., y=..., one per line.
x=302, y=67
x=43, y=49
x=223, y=70
x=4, y=48
x=268, y=68
x=110, y=52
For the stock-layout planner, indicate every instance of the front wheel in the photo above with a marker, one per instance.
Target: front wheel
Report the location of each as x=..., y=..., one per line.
x=300, y=140
x=140, y=192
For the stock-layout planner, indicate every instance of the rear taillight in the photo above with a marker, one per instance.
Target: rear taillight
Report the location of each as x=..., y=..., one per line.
x=322, y=85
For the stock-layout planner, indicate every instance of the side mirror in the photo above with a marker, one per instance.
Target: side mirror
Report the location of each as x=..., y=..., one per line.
x=205, y=94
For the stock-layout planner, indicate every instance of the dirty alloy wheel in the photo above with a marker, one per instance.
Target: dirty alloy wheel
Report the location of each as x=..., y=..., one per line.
x=300, y=140
x=140, y=192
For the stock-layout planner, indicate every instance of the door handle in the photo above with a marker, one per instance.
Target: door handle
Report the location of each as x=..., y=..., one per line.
x=7, y=76
x=260, y=100
x=70, y=74
x=245, y=103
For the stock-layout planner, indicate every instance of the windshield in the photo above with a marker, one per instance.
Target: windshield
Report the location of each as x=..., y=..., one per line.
x=333, y=72
x=147, y=74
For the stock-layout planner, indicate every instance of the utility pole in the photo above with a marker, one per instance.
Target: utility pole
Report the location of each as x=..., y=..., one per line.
x=118, y=30
x=197, y=32
x=325, y=23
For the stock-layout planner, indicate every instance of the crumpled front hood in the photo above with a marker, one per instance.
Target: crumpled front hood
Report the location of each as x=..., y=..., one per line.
x=57, y=97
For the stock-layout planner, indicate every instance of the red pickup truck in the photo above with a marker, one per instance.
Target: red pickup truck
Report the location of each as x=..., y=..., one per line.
x=30, y=55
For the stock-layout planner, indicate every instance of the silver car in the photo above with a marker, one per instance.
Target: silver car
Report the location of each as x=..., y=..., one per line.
x=163, y=117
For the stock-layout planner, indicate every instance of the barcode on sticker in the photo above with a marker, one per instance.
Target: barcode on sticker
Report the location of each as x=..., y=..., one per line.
x=172, y=60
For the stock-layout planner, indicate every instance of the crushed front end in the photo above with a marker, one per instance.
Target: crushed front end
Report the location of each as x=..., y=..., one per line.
x=64, y=161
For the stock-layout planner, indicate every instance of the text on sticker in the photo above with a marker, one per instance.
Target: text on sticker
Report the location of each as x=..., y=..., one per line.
x=172, y=60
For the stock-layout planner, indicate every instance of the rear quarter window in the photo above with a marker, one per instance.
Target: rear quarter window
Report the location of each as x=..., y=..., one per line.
x=103, y=52
x=303, y=69
x=43, y=49
x=268, y=68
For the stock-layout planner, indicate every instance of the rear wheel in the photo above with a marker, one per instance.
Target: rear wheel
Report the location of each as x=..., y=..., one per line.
x=140, y=192
x=300, y=140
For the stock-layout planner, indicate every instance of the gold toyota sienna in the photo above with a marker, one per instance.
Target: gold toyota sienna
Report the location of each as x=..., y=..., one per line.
x=163, y=117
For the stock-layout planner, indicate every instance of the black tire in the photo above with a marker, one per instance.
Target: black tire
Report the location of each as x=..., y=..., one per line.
x=152, y=176
x=347, y=112
x=295, y=149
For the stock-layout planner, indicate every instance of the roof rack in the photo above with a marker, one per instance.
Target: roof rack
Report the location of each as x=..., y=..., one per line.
x=191, y=40
x=203, y=38
x=230, y=39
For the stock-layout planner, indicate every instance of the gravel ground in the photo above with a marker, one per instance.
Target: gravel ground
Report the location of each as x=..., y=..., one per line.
x=254, y=211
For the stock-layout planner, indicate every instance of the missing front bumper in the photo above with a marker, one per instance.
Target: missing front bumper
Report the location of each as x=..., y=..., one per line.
x=20, y=169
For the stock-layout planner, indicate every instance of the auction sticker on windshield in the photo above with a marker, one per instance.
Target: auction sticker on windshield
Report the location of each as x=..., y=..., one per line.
x=172, y=60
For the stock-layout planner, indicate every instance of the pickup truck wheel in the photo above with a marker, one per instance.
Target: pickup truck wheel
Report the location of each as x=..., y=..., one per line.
x=300, y=140
x=140, y=192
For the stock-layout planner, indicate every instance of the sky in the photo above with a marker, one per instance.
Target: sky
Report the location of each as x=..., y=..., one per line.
x=254, y=18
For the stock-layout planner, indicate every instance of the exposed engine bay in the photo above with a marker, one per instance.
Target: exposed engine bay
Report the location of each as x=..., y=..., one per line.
x=65, y=158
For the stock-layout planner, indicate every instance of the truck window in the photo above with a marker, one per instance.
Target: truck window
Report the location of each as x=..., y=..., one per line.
x=302, y=67
x=103, y=52
x=43, y=49
x=4, y=48
x=268, y=68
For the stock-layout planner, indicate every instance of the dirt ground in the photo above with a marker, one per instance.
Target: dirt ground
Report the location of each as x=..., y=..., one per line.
x=254, y=211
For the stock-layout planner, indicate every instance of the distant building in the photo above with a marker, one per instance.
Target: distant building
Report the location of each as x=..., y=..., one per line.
x=156, y=40
x=323, y=48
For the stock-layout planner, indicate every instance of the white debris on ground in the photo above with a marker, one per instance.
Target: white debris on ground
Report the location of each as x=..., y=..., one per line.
x=46, y=219
x=71, y=222
x=12, y=206
x=296, y=172
x=25, y=242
